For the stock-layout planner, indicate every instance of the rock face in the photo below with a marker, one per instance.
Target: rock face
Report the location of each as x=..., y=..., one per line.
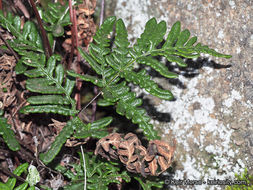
x=212, y=117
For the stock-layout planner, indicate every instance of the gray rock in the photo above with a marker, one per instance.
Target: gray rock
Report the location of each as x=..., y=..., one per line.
x=218, y=99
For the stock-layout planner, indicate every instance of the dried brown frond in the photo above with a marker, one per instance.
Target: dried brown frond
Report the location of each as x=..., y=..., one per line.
x=154, y=160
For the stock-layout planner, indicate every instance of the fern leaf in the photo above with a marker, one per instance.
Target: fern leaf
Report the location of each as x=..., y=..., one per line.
x=121, y=37
x=29, y=37
x=205, y=49
x=101, y=37
x=115, y=64
x=56, y=16
x=51, y=85
x=57, y=109
x=173, y=35
x=148, y=184
x=179, y=44
x=18, y=171
x=182, y=38
x=4, y=186
x=91, y=61
x=144, y=81
x=22, y=186
x=8, y=135
x=158, y=66
x=42, y=85
x=65, y=133
x=95, y=129
x=152, y=36
x=127, y=105
x=99, y=174
x=98, y=82
x=48, y=99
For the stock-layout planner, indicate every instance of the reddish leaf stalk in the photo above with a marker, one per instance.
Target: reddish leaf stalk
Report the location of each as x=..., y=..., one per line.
x=45, y=40
x=74, y=45
x=72, y=33
x=9, y=47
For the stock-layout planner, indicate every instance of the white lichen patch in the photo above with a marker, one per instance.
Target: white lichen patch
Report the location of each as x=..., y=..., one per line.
x=232, y=4
x=235, y=95
x=134, y=13
x=184, y=122
x=221, y=34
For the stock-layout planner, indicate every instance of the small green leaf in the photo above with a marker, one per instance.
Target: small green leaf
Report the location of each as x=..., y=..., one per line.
x=175, y=59
x=192, y=41
x=8, y=135
x=48, y=99
x=20, y=169
x=33, y=73
x=173, y=35
x=148, y=184
x=4, y=186
x=20, y=67
x=65, y=133
x=57, y=109
x=88, y=78
x=158, y=66
x=182, y=38
x=22, y=186
x=41, y=85
x=91, y=61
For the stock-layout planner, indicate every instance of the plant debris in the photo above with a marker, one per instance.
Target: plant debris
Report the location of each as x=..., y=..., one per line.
x=154, y=160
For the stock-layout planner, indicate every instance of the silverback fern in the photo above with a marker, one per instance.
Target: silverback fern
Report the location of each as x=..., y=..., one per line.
x=113, y=62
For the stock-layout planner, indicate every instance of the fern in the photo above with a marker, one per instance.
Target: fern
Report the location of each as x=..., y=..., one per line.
x=148, y=184
x=8, y=134
x=244, y=181
x=26, y=40
x=56, y=17
x=94, y=129
x=99, y=174
x=10, y=184
x=113, y=64
x=48, y=80
x=117, y=62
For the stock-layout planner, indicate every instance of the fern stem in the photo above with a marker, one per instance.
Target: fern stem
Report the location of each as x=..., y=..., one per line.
x=45, y=40
x=93, y=99
x=84, y=168
x=116, y=75
x=9, y=47
x=102, y=12
x=124, y=68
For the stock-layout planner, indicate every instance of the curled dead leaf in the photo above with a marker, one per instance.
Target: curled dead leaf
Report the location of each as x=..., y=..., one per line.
x=154, y=160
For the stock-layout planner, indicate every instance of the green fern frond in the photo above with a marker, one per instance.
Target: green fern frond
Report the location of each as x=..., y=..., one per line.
x=65, y=133
x=116, y=63
x=8, y=134
x=99, y=174
x=56, y=17
x=127, y=104
x=55, y=92
x=95, y=129
x=179, y=43
x=10, y=184
x=26, y=39
x=148, y=184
